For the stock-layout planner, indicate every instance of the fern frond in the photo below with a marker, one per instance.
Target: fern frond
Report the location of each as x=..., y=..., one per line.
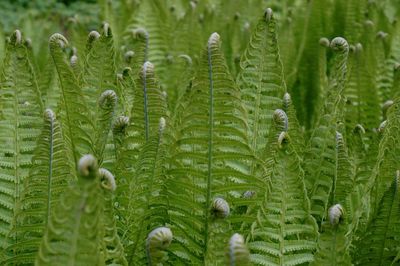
x=380, y=241
x=261, y=79
x=332, y=243
x=141, y=195
x=111, y=244
x=72, y=236
x=148, y=107
x=285, y=231
x=19, y=128
x=320, y=162
x=105, y=113
x=48, y=177
x=75, y=117
x=99, y=73
x=207, y=162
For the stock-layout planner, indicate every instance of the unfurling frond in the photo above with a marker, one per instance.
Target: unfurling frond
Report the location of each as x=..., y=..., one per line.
x=335, y=214
x=220, y=208
x=157, y=242
x=238, y=254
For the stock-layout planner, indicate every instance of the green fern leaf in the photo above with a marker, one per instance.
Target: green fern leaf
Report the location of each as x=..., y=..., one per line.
x=111, y=245
x=72, y=236
x=379, y=244
x=99, y=72
x=332, y=243
x=140, y=197
x=76, y=121
x=320, y=162
x=48, y=178
x=285, y=231
x=209, y=161
x=19, y=128
x=261, y=79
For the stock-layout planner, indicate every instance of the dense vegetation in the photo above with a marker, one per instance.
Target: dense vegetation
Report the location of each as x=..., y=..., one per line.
x=139, y=135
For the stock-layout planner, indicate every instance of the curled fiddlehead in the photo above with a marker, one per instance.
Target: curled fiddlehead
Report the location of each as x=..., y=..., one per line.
x=335, y=214
x=238, y=252
x=57, y=40
x=220, y=208
x=157, y=242
x=385, y=107
x=324, y=42
x=88, y=166
x=107, y=179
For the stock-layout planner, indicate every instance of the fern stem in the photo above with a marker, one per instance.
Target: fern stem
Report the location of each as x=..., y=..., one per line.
x=210, y=137
x=146, y=115
x=49, y=178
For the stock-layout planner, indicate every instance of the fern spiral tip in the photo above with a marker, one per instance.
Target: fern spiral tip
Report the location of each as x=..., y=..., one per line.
x=108, y=99
x=248, y=194
x=324, y=42
x=335, y=214
x=120, y=124
x=16, y=37
x=107, y=179
x=339, y=44
x=238, y=252
x=162, y=124
x=382, y=127
x=140, y=33
x=287, y=101
x=359, y=128
x=268, y=14
x=220, y=208
x=187, y=58
x=93, y=35
x=87, y=165
x=49, y=114
x=159, y=238
x=381, y=35
x=214, y=39
x=106, y=29
x=281, y=119
x=386, y=106
x=59, y=40
x=128, y=56
x=148, y=68
x=282, y=138
x=73, y=61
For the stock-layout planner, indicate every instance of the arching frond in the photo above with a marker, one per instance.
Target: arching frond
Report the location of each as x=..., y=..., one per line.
x=72, y=236
x=48, y=177
x=20, y=122
x=208, y=161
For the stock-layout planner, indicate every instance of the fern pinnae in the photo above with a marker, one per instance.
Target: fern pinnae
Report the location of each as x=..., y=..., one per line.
x=105, y=114
x=48, y=177
x=112, y=248
x=75, y=115
x=20, y=122
x=73, y=235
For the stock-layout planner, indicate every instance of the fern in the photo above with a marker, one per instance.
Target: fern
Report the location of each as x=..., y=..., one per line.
x=19, y=127
x=140, y=206
x=320, y=165
x=261, y=79
x=206, y=162
x=285, y=231
x=378, y=245
x=48, y=178
x=72, y=235
x=75, y=116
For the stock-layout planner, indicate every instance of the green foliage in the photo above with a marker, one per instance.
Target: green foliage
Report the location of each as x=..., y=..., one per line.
x=275, y=144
